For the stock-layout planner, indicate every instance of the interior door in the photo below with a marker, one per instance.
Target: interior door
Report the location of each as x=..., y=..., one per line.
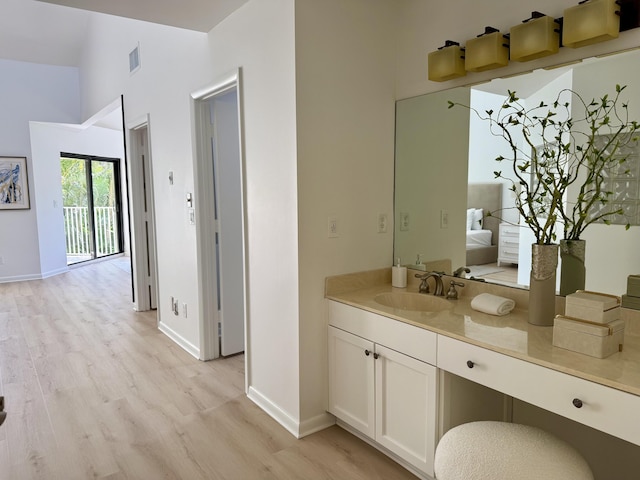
x=149, y=219
x=228, y=211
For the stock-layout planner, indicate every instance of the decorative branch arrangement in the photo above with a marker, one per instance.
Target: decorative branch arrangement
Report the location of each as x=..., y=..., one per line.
x=552, y=150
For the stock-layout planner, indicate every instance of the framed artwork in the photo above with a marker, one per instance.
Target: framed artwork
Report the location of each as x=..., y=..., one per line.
x=14, y=184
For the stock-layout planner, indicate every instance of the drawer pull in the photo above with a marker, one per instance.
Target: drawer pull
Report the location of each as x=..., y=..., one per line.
x=470, y=364
x=367, y=352
x=577, y=403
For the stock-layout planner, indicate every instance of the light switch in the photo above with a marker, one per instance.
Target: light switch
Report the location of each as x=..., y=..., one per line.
x=404, y=221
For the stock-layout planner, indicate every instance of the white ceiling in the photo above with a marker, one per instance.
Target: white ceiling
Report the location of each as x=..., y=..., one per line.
x=199, y=15
x=50, y=32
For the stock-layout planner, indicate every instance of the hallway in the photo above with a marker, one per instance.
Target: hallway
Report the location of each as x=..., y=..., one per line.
x=94, y=390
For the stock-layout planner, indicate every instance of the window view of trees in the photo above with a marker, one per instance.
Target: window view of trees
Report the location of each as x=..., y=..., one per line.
x=87, y=184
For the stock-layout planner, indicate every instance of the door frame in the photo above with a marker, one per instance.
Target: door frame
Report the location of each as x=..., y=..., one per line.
x=143, y=256
x=204, y=217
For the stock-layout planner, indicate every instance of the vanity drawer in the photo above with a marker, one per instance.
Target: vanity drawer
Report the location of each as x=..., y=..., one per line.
x=403, y=337
x=603, y=408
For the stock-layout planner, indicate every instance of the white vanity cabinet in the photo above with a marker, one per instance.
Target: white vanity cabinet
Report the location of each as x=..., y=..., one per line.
x=378, y=388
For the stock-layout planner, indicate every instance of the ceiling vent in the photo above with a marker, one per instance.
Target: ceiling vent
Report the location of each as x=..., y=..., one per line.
x=134, y=60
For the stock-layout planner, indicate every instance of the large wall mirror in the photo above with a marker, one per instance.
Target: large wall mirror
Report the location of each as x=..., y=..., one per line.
x=445, y=159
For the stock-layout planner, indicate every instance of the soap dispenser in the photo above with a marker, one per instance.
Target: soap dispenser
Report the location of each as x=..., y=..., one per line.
x=398, y=275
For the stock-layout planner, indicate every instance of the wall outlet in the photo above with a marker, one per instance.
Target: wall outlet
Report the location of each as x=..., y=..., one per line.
x=382, y=222
x=332, y=227
x=174, y=306
x=444, y=219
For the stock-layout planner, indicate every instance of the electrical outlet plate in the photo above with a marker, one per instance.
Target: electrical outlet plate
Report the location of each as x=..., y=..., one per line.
x=382, y=223
x=174, y=306
x=444, y=219
x=332, y=227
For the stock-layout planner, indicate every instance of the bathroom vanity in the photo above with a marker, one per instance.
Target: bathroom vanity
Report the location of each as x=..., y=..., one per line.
x=402, y=377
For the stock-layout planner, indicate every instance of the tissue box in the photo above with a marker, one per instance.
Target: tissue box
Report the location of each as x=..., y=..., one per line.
x=595, y=307
x=633, y=285
x=593, y=339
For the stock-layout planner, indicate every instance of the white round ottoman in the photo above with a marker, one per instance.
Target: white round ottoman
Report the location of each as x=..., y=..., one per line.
x=506, y=451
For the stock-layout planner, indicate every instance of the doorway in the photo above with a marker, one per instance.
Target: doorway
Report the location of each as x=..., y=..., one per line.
x=220, y=219
x=92, y=206
x=145, y=282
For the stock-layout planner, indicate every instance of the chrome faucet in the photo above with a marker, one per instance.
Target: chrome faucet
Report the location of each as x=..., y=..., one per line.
x=452, y=294
x=458, y=272
x=424, y=285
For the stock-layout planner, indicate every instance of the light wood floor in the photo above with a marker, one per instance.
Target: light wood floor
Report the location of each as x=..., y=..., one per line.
x=93, y=390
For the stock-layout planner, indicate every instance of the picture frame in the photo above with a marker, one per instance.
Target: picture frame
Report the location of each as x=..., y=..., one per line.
x=14, y=183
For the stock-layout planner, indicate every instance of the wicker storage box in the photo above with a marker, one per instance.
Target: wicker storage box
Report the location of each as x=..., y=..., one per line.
x=590, y=338
x=595, y=307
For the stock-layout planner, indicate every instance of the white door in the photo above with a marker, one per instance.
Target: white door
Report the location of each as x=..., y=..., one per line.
x=228, y=213
x=351, y=380
x=406, y=407
x=149, y=218
x=143, y=222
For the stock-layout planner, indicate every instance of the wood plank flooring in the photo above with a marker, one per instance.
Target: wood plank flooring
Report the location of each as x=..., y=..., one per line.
x=94, y=391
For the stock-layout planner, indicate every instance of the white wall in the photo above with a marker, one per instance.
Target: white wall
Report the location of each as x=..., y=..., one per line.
x=174, y=62
x=259, y=38
x=432, y=150
x=30, y=92
x=345, y=134
x=47, y=141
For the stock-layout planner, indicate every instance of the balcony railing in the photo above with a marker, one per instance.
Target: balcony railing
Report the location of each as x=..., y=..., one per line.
x=76, y=227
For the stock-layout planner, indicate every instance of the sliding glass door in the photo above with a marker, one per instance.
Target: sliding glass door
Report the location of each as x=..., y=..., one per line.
x=92, y=213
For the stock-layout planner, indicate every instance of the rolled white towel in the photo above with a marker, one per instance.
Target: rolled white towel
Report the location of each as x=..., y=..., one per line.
x=492, y=304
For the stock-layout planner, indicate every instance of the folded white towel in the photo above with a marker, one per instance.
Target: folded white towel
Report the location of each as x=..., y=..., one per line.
x=492, y=304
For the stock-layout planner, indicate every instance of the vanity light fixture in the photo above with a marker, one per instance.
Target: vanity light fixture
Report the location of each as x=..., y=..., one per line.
x=487, y=51
x=535, y=37
x=591, y=21
x=447, y=62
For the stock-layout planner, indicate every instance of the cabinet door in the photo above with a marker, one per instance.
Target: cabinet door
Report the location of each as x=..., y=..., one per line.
x=406, y=407
x=351, y=377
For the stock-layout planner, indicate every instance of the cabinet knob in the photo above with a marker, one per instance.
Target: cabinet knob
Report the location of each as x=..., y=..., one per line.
x=577, y=403
x=470, y=364
x=367, y=352
x=376, y=356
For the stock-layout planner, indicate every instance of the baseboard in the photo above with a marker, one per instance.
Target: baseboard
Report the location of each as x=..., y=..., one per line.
x=21, y=278
x=315, y=424
x=279, y=415
x=179, y=339
x=58, y=271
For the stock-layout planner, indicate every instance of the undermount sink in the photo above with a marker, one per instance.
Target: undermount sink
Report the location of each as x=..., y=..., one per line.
x=418, y=302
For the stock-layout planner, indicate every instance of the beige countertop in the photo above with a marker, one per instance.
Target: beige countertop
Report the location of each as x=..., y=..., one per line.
x=510, y=334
